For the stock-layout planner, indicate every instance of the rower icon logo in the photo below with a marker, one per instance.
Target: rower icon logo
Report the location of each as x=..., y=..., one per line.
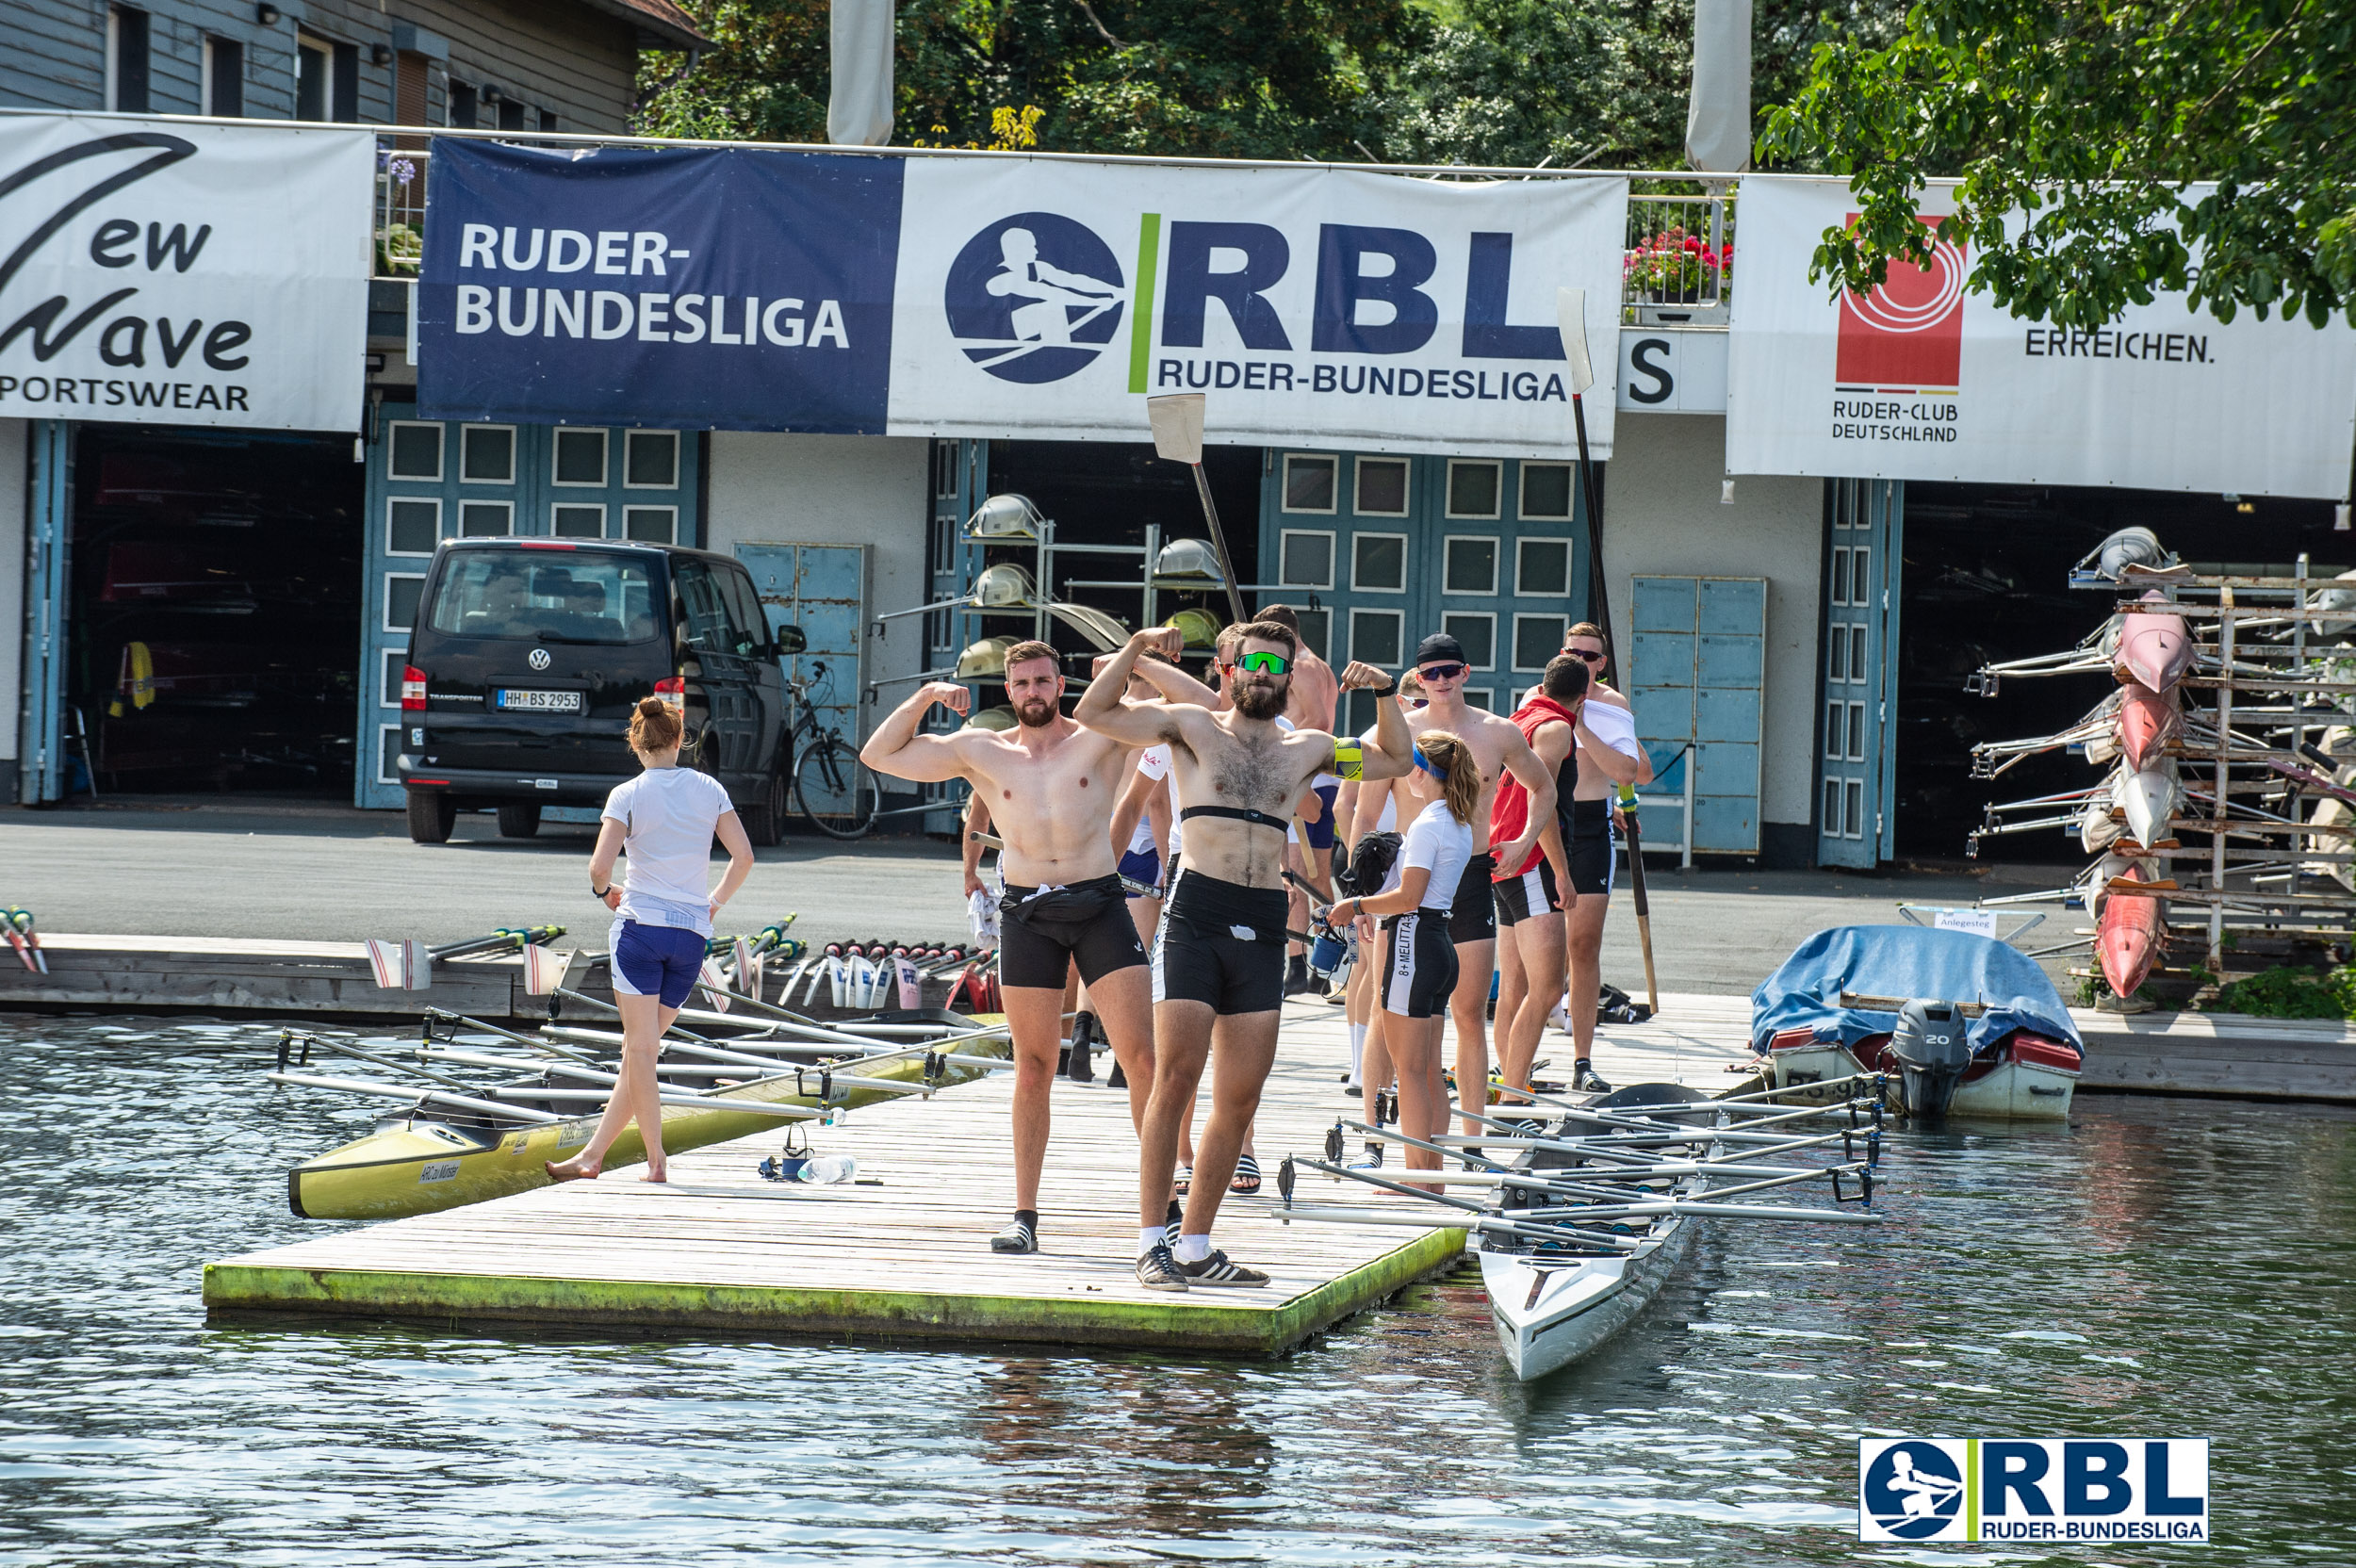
x=1035, y=298
x=1906, y=333
x=1913, y=1490
x=537, y=659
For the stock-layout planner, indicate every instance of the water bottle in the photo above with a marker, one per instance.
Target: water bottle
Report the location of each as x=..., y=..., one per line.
x=827, y=1169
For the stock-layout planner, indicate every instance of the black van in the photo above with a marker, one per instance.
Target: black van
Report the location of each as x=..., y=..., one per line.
x=528, y=654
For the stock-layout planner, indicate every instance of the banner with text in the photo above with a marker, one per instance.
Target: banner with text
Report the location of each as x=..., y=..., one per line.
x=184, y=274
x=1925, y=380
x=1314, y=306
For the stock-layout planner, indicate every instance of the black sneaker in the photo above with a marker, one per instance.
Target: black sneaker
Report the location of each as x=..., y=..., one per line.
x=1173, y=1222
x=1158, y=1270
x=1021, y=1235
x=1586, y=1080
x=1117, y=1079
x=1217, y=1270
x=1296, y=977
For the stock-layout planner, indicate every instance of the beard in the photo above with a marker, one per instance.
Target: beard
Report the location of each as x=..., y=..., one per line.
x=1038, y=713
x=1256, y=701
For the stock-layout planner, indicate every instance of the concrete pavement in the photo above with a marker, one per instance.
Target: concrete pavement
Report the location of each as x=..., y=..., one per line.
x=292, y=870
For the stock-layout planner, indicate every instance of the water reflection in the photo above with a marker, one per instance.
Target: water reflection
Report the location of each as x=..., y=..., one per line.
x=2158, y=1267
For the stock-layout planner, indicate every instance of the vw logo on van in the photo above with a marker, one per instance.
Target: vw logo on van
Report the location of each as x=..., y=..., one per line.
x=537, y=659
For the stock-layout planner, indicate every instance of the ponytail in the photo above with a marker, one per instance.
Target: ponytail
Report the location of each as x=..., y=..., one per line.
x=654, y=725
x=1459, y=773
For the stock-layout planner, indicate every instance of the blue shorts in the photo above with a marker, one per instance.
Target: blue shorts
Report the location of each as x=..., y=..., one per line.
x=1142, y=865
x=1319, y=834
x=660, y=961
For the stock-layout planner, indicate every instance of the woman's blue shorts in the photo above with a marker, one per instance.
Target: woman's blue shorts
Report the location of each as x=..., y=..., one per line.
x=656, y=960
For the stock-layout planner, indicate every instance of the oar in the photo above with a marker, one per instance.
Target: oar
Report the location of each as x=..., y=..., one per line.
x=21, y=937
x=532, y=935
x=1636, y=885
x=682, y=1102
x=1485, y=1224
x=394, y=1091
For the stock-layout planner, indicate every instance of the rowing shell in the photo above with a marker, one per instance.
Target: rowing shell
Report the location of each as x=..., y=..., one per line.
x=2154, y=647
x=2127, y=936
x=422, y=1166
x=2147, y=723
x=2149, y=799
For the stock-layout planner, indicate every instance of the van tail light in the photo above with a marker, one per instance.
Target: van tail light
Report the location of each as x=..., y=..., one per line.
x=673, y=692
x=412, y=689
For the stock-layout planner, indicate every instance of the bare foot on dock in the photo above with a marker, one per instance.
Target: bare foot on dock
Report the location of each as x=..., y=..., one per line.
x=569, y=1171
x=662, y=1177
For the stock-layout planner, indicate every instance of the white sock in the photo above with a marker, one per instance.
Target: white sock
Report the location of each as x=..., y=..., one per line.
x=1148, y=1237
x=1357, y=1050
x=1193, y=1248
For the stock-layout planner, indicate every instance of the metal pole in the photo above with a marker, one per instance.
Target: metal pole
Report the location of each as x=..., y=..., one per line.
x=1218, y=538
x=2217, y=829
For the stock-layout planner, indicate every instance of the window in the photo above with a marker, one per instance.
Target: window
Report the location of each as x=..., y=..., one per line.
x=486, y=519
x=387, y=750
x=413, y=525
x=1378, y=563
x=513, y=116
x=1542, y=566
x=944, y=470
x=745, y=613
x=1308, y=482
x=1860, y=578
x=221, y=86
x=1546, y=490
x=1316, y=626
x=1306, y=559
x=1481, y=697
x=401, y=591
x=315, y=63
x=1537, y=639
x=1477, y=631
x=416, y=452
x=1855, y=790
x=581, y=457
x=577, y=522
x=1836, y=655
x=388, y=694
x=1836, y=744
x=651, y=525
x=1841, y=575
x=344, y=98
x=650, y=460
x=580, y=597
x=547, y=119
x=1473, y=488
x=1376, y=636
x=462, y=106
x=703, y=611
x=1382, y=486
x=1856, y=653
x=1857, y=732
x=1471, y=564
x=488, y=454
x=126, y=59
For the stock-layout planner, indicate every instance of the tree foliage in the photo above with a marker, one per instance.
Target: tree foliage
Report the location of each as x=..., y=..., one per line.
x=2078, y=129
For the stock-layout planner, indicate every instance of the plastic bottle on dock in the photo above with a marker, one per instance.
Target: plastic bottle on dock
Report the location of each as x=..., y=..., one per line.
x=827, y=1169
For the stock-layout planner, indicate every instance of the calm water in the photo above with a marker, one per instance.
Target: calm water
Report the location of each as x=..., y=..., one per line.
x=2161, y=1268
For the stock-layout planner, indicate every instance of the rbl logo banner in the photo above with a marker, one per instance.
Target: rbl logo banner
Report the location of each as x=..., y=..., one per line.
x=2055, y=1491
x=1906, y=333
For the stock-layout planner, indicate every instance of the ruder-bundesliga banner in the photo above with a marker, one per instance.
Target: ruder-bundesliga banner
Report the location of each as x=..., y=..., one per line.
x=1925, y=380
x=763, y=289
x=184, y=274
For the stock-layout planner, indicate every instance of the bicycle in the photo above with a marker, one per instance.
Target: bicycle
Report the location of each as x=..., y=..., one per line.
x=834, y=790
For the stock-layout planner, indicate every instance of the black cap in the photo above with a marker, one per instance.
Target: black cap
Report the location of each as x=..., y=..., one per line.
x=1439, y=648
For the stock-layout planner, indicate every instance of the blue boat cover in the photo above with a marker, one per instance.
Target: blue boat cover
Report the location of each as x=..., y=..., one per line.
x=1907, y=961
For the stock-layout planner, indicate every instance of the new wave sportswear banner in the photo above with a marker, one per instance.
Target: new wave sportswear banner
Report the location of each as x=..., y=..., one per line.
x=1925, y=380
x=729, y=290
x=183, y=274
x=988, y=297
x=1315, y=307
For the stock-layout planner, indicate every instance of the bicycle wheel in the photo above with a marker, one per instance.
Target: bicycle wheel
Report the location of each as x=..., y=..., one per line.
x=837, y=791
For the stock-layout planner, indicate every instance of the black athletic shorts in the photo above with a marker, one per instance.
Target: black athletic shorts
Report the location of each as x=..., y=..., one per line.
x=1041, y=934
x=1473, y=916
x=1419, y=964
x=1222, y=943
x=1526, y=896
x=1587, y=838
x=1319, y=834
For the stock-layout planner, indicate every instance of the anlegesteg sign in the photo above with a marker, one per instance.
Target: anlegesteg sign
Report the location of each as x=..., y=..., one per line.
x=1925, y=379
x=183, y=274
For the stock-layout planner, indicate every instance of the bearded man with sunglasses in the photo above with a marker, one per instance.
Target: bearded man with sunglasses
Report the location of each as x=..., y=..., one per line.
x=1218, y=959
x=1499, y=746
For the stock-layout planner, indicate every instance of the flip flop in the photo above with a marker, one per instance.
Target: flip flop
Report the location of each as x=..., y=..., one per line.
x=1246, y=1180
x=1184, y=1180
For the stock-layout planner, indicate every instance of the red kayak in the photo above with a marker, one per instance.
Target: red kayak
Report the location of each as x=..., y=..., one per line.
x=2127, y=935
x=2154, y=646
x=2147, y=723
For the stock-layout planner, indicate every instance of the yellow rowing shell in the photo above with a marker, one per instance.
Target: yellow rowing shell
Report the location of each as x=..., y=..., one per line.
x=422, y=1166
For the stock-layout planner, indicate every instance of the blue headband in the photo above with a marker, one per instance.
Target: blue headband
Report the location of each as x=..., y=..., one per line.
x=1424, y=763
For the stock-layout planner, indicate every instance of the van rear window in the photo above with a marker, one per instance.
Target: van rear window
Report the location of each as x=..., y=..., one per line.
x=586, y=597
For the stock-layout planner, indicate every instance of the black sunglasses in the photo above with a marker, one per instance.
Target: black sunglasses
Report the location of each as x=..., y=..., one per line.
x=1439, y=672
x=1585, y=657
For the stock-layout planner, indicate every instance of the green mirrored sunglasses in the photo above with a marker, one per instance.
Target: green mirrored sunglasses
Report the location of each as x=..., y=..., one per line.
x=1264, y=663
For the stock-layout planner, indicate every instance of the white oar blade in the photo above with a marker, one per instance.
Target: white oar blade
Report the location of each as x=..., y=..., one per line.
x=1570, y=311
x=544, y=969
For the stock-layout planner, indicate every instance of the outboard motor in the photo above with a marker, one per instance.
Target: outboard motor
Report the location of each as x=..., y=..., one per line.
x=1931, y=1053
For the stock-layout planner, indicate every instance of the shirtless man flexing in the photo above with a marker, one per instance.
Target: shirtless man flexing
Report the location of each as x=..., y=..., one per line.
x=1050, y=787
x=1219, y=961
x=1498, y=744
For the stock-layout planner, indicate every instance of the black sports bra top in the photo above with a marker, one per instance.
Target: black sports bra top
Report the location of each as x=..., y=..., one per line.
x=1240, y=813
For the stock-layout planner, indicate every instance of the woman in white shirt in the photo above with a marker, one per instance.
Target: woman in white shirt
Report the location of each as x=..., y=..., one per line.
x=666, y=818
x=1418, y=960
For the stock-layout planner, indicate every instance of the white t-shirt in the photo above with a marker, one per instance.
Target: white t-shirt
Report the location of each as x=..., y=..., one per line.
x=670, y=814
x=1442, y=845
x=1614, y=726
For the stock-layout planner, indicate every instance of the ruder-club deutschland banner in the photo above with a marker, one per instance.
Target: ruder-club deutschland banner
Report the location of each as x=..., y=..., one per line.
x=184, y=274
x=761, y=289
x=1925, y=380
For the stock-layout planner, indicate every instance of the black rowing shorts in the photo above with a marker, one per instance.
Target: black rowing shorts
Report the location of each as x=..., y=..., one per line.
x=1041, y=934
x=1221, y=943
x=1473, y=916
x=1587, y=838
x=1419, y=964
x=1526, y=896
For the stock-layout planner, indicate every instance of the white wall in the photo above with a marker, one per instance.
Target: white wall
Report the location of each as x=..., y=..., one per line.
x=15, y=496
x=835, y=490
x=1661, y=513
